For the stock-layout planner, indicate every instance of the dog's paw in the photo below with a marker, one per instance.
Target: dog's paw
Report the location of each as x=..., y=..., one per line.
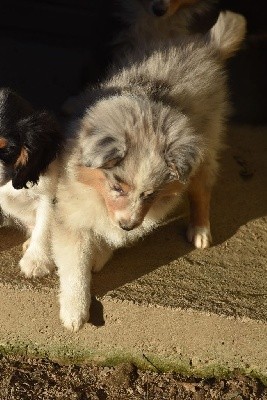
x=73, y=317
x=33, y=266
x=200, y=236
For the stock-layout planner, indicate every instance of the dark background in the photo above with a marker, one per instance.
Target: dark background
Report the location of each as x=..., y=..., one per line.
x=51, y=48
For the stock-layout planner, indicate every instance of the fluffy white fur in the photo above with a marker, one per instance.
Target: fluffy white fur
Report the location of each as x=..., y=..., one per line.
x=31, y=210
x=150, y=132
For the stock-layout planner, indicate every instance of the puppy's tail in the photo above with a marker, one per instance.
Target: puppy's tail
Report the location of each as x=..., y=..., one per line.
x=228, y=33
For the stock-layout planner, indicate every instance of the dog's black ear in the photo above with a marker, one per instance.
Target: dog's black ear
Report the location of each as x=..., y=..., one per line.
x=183, y=155
x=41, y=140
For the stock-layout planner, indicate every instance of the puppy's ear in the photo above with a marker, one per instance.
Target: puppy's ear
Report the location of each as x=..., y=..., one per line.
x=41, y=141
x=103, y=151
x=183, y=156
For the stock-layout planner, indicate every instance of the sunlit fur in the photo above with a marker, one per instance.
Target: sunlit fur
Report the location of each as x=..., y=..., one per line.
x=29, y=144
x=149, y=133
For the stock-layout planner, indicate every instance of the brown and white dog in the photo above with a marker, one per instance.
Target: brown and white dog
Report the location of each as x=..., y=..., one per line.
x=150, y=132
x=153, y=20
x=150, y=21
x=29, y=144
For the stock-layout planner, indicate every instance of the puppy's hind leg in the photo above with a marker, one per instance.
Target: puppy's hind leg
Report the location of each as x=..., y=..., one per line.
x=199, y=194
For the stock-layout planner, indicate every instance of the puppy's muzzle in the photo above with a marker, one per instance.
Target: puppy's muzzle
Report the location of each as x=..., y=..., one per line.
x=127, y=225
x=159, y=8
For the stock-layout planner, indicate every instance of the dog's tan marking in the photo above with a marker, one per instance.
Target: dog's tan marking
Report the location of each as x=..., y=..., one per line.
x=22, y=158
x=176, y=4
x=125, y=187
x=3, y=143
x=199, y=194
x=96, y=179
x=92, y=177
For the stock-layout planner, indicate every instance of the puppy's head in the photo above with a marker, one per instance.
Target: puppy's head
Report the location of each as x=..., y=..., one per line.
x=29, y=140
x=134, y=154
x=160, y=8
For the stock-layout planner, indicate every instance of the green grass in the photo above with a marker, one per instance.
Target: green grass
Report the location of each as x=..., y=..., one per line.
x=64, y=355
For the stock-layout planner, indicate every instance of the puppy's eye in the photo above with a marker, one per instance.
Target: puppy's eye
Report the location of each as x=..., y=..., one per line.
x=117, y=188
x=148, y=194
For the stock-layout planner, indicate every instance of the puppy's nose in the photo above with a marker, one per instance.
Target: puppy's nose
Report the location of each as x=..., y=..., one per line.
x=127, y=226
x=159, y=8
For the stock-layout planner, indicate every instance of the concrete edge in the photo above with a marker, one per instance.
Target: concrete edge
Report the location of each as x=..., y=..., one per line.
x=189, y=343
x=64, y=356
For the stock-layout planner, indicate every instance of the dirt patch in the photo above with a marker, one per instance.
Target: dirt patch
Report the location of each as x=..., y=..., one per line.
x=40, y=379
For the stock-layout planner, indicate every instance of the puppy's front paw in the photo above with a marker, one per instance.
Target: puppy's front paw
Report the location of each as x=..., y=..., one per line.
x=73, y=317
x=34, y=266
x=200, y=236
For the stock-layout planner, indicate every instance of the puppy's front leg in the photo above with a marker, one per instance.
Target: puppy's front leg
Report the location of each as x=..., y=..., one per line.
x=37, y=259
x=72, y=251
x=199, y=194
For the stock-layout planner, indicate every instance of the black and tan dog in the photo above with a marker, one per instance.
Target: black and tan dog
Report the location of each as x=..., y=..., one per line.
x=30, y=141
